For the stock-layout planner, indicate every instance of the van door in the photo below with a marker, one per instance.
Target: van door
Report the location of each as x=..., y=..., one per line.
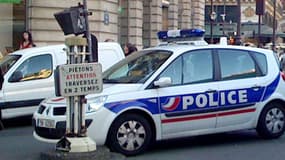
x=188, y=105
x=28, y=85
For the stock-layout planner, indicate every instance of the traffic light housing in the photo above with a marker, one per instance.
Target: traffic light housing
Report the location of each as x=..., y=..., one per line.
x=260, y=7
x=72, y=20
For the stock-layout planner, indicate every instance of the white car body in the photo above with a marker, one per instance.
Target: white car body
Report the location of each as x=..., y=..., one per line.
x=22, y=97
x=218, y=105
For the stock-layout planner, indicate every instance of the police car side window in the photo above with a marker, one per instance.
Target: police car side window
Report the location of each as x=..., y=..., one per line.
x=174, y=71
x=37, y=67
x=236, y=64
x=197, y=66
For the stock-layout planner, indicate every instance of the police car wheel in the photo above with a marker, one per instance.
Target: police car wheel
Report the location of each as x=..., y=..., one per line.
x=271, y=123
x=130, y=134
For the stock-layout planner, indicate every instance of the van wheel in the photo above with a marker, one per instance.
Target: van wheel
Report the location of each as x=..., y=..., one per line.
x=130, y=134
x=271, y=123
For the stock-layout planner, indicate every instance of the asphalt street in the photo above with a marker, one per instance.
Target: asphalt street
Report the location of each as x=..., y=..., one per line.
x=17, y=143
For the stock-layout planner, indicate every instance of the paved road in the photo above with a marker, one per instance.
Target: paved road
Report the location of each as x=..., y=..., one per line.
x=231, y=146
x=16, y=142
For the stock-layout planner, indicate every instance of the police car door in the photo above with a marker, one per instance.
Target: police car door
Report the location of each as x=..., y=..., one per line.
x=186, y=105
x=240, y=86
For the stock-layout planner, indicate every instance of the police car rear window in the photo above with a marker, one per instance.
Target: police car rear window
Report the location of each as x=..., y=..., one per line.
x=261, y=61
x=237, y=64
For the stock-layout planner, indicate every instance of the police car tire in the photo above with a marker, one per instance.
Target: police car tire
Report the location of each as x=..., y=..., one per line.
x=262, y=128
x=112, y=141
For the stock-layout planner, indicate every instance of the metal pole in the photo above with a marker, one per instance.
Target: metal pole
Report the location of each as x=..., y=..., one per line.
x=238, y=23
x=274, y=25
x=88, y=35
x=224, y=17
x=82, y=128
x=76, y=116
x=259, y=29
x=211, y=23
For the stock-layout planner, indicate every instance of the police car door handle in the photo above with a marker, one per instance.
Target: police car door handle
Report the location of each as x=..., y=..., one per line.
x=256, y=87
x=211, y=91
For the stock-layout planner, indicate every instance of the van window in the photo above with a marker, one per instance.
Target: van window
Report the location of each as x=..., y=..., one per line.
x=37, y=67
x=236, y=64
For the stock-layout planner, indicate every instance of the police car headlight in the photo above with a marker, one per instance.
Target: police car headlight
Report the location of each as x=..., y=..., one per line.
x=95, y=104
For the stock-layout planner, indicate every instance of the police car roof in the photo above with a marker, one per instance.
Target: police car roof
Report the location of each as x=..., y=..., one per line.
x=179, y=41
x=181, y=48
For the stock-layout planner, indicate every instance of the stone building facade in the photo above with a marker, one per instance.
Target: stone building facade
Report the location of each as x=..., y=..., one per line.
x=135, y=21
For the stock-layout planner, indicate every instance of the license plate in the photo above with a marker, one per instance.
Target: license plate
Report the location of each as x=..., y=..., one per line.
x=46, y=123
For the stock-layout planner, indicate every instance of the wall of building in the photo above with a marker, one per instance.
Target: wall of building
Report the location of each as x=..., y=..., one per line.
x=135, y=21
x=198, y=18
x=152, y=22
x=6, y=26
x=46, y=30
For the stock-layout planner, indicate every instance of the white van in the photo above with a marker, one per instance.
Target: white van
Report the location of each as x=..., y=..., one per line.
x=28, y=75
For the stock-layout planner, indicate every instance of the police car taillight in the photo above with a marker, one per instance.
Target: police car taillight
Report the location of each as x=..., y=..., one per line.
x=185, y=36
x=282, y=75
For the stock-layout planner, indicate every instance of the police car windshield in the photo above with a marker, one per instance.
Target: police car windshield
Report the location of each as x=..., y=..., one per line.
x=136, y=68
x=8, y=62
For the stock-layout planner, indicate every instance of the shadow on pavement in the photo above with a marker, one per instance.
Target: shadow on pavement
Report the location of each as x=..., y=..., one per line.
x=1, y=125
x=17, y=122
x=247, y=136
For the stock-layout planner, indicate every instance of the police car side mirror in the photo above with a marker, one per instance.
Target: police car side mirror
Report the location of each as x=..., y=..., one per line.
x=163, y=82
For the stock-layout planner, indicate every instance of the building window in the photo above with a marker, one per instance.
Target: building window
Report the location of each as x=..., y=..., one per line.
x=165, y=6
x=13, y=22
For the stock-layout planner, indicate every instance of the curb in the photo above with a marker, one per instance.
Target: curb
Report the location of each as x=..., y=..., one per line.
x=102, y=153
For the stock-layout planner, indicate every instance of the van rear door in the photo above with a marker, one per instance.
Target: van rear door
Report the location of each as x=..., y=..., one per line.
x=109, y=53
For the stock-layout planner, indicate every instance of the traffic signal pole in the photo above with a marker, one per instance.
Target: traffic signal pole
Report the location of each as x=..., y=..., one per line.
x=75, y=144
x=88, y=34
x=79, y=55
x=75, y=139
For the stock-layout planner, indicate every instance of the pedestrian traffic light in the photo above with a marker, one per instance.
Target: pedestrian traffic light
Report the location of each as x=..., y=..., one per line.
x=72, y=20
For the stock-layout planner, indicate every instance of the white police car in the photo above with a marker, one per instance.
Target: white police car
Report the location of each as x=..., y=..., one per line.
x=178, y=89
